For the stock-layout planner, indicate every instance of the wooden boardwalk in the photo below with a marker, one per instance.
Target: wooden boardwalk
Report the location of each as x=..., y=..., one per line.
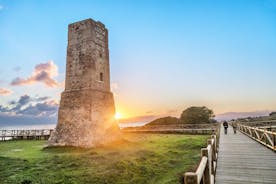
x=25, y=134
x=241, y=160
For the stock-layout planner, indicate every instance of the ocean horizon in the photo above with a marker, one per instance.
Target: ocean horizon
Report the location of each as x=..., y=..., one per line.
x=53, y=125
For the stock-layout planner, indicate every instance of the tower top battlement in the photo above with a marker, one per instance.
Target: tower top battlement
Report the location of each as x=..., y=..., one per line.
x=86, y=21
x=85, y=30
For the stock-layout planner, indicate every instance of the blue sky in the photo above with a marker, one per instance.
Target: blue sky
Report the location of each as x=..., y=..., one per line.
x=165, y=55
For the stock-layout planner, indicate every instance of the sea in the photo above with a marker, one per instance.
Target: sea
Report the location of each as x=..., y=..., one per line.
x=52, y=126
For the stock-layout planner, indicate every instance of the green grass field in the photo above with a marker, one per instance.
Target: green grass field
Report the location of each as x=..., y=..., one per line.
x=140, y=159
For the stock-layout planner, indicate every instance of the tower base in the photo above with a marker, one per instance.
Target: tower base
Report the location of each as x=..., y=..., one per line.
x=85, y=119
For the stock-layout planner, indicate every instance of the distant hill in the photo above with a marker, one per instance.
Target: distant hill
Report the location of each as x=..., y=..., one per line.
x=164, y=121
x=235, y=115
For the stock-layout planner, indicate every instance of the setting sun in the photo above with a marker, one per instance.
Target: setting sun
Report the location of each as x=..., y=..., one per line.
x=118, y=115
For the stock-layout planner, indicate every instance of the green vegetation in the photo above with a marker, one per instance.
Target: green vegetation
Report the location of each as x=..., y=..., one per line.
x=164, y=121
x=270, y=118
x=197, y=115
x=140, y=158
x=191, y=115
x=272, y=114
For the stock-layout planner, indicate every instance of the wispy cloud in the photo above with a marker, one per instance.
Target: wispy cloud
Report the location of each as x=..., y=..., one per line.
x=1, y=7
x=44, y=73
x=4, y=91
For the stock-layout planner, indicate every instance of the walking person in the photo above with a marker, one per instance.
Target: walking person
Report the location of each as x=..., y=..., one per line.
x=225, y=125
x=234, y=125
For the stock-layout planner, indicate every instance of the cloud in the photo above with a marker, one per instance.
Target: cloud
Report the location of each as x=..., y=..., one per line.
x=24, y=100
x=18, y=105
x=48, y=108
x=27, y=105
x=35, y=110
x=3, y=109
x=44, y=73
x=42, y=98
x=146, y=118
x=4, y=91
x=1, y=7
x=13, y=120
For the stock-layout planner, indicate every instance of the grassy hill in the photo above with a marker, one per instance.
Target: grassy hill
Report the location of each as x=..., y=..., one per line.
x=164, y=121
x=140, y=159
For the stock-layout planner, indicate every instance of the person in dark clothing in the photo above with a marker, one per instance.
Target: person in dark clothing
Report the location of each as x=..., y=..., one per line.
x=225, y=125
x=234, y=125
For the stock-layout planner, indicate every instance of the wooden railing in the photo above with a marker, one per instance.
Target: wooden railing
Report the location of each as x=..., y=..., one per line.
x=25, y=134
x=265, y=137
x=206, y=170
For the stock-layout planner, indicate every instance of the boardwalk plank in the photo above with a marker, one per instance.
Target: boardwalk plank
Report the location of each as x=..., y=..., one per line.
x=242, y=160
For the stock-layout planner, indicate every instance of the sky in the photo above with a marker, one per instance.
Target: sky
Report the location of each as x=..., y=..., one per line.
x=164, y=55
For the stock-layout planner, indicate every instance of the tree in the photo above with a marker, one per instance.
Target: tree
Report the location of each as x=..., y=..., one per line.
x=272, y=114
x=197, y=115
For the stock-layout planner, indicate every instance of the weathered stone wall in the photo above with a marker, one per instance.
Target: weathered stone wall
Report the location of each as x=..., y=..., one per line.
x=87, y=56
x=86, y=113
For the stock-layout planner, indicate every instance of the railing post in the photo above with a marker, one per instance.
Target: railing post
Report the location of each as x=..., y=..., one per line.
x=214, y=157
x=274, y=142
x=215, y=145
x=265, y=138
x=207, y=172
x=190, y=178
x=211, y=157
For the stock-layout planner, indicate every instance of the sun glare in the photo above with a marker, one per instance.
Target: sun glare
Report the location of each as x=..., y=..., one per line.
x=118, y=115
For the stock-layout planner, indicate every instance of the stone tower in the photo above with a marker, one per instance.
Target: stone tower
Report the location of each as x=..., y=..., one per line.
x=86, y=112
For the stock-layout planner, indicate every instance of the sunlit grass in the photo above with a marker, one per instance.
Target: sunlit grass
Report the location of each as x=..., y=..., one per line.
x=140, y=158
